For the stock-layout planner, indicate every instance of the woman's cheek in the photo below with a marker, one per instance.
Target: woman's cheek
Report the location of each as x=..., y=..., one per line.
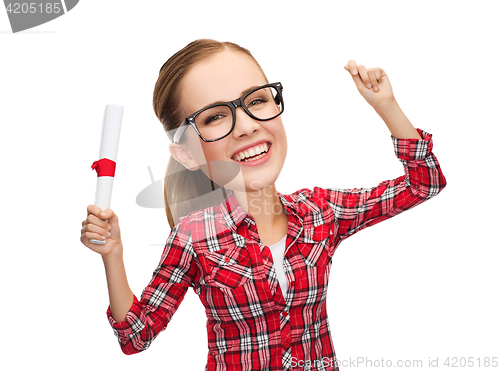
x=211, y=152
x=216, y=165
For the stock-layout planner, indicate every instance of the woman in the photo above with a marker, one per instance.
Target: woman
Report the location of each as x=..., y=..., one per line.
x=259, y=260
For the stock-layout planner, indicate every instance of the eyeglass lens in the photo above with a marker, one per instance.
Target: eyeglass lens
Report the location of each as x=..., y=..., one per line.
x=216, y=122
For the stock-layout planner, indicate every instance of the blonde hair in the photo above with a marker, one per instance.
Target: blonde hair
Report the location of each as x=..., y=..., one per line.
x=183, y=188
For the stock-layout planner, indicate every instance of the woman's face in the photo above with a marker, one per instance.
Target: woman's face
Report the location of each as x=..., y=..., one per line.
x=224, y=77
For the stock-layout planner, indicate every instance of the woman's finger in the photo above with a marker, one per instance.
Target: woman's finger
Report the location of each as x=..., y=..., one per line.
x=364, y=76
x=373, y=78
x=99, y=222
x=352, y=67
x=93, y=210
x=95, y=229
x=87, y=236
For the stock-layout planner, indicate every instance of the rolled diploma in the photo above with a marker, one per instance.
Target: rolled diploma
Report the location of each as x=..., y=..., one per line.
x=110, y=137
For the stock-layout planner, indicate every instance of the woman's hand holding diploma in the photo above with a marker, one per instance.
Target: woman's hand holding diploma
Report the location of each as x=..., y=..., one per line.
x=374, y=85
x=103, y=225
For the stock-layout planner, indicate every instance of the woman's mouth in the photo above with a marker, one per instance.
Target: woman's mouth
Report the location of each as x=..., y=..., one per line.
x=252, y=154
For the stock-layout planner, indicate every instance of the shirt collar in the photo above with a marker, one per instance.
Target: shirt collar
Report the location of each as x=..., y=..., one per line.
x=291, y=207
x=231, y=211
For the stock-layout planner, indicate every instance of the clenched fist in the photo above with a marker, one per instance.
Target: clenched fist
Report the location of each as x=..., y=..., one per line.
x=101, y=225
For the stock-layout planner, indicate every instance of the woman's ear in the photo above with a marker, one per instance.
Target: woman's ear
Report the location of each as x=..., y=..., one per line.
x=183, y=157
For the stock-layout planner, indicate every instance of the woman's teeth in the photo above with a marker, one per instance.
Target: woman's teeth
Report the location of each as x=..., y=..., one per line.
x=253, y=153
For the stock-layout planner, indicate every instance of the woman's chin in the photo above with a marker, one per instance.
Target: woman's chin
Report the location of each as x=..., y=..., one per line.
x=239, y=185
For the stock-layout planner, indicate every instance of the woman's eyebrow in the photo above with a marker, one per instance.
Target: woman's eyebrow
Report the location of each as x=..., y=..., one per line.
x=242, y=93
x=247, y=90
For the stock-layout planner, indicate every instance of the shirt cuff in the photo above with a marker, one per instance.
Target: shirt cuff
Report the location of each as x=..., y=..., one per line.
x=129, y=324
x=411, y=148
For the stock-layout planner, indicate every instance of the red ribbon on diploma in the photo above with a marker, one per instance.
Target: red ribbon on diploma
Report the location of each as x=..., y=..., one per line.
x=104, y=167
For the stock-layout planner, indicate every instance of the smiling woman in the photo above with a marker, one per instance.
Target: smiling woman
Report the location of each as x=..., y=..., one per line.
x=228, y=141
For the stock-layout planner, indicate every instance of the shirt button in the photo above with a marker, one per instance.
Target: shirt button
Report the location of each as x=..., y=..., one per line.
x=226, y=259
x=286, y=344
x=284, y=313
x=292, y=283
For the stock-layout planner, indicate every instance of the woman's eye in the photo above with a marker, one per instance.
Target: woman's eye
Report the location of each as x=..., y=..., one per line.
x=213, y=118
x=256, y=102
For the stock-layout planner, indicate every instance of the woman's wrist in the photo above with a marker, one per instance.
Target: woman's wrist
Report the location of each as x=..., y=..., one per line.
x=116, y=256
x=387, y=108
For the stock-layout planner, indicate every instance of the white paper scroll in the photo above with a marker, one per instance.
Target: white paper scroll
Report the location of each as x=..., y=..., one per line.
x=110, y=137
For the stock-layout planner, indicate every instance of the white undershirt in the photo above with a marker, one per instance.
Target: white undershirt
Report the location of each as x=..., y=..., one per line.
x=278, y=252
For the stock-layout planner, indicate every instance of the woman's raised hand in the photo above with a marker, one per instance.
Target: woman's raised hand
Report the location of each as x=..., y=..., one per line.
x=101, y=225
x=372, y=83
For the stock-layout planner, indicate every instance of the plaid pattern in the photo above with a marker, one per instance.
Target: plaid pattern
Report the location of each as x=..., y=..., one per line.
x=218, y=253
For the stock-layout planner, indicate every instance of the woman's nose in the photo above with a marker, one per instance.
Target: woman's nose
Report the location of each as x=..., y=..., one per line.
x=245, y=125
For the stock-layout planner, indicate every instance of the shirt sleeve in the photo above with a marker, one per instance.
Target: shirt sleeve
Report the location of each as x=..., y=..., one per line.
x=359, y=208
x=146, y=318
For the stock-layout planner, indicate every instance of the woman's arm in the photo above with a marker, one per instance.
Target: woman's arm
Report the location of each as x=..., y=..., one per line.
x=358, y=208
x=121, y=297
x=103, y=225
x=397, y=122
x=137, y=323
x=146, y=318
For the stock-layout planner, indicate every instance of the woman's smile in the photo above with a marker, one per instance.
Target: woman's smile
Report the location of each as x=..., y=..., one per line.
x=253, y=153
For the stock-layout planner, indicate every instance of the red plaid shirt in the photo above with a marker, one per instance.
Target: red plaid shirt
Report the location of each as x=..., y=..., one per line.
x=217, y=252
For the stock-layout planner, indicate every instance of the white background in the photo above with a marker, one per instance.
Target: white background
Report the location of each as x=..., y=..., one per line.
x=421, y=285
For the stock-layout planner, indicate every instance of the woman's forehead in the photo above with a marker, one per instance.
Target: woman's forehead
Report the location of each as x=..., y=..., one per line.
x=222, y=77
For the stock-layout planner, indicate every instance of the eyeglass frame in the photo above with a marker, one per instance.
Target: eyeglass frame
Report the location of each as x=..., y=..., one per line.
x=238, y=102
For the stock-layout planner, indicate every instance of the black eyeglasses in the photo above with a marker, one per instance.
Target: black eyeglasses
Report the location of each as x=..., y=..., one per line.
x=217, y=121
